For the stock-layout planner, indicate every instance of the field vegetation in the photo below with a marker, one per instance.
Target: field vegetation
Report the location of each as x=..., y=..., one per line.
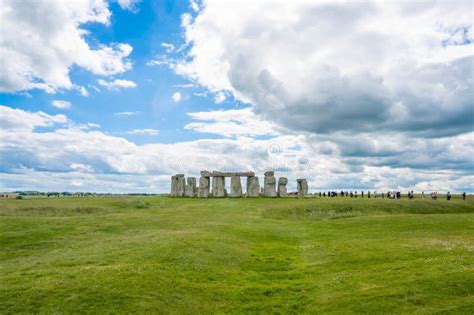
x=165, y=255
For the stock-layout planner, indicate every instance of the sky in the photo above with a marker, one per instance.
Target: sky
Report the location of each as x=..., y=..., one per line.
x=117, y=96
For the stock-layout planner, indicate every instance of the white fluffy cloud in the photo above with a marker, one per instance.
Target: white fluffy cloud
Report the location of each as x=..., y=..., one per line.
x=16, y=119
x=168, y=47
x=127, y=113
x=130, y=5
x=61, y=104
x=194, y=5
x=176, y=97
x=219, y=97
x=146, y=131
x=234, y=122
x=40, y=42
x=117, y=84
x=323, y=67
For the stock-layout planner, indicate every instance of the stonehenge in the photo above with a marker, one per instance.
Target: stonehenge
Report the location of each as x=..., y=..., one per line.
x=212, y=184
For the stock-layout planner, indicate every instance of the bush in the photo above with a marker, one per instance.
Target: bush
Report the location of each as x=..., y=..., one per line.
x=139, y=204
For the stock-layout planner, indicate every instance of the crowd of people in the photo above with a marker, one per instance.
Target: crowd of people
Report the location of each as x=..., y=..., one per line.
x=395, y=194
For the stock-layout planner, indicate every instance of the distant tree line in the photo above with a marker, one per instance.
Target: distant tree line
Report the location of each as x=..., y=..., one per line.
x=66, y=194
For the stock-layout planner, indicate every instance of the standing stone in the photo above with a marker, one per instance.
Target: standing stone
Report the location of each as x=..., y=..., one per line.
x=190, y=189
x=174, y=186
x=177, y=185
x=181, y=185
x=282, y=181
x=235, y=187
x=218, y=186
x=269, y=185
x=302, y=185
x=204, y=185
x=253, y=186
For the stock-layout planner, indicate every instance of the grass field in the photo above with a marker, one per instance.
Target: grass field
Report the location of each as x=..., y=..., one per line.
x=164, y=255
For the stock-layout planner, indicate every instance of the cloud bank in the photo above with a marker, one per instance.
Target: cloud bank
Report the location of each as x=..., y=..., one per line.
x=40, y=42
x=68, y=156
x=321, y=67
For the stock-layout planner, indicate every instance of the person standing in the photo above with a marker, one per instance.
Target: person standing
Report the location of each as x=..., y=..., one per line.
x=463, y=195
x=448, y=196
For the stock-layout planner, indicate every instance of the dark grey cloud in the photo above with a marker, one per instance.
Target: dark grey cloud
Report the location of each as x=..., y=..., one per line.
x=364, y=103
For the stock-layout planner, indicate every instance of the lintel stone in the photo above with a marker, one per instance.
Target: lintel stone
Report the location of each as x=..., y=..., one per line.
x=226, y=174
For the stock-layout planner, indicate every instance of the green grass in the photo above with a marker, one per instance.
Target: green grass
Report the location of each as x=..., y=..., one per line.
x=165, y=255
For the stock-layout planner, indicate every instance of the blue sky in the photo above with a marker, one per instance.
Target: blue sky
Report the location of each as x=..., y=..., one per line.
x=145, y=29
x=116, y=96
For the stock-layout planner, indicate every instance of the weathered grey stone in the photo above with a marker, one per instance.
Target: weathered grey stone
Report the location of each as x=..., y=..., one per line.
x=218, y=174
x=302, y=186
x=218, y=186
x=282, y=181
x=235, y=187
x=174, y=186
x=181, y=185
x=226, y=174
x=204, y=185
x=177, y=185
x=253, y=186
x=206, y=173
x=190, y=189
x=269, y=185
x=244, y=174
